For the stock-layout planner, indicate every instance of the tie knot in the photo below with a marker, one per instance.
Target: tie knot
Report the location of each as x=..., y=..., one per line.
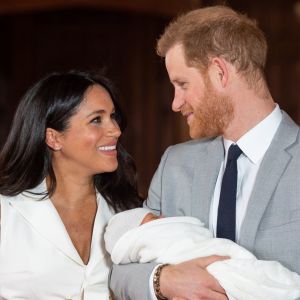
x=234, y=152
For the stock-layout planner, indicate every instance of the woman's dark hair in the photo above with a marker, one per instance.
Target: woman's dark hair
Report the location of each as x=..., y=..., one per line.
x=26, y=160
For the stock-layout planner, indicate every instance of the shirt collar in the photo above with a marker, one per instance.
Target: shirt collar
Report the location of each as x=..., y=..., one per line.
x=257, y=140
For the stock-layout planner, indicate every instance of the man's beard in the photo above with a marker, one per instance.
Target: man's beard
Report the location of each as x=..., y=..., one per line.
x=213, y=114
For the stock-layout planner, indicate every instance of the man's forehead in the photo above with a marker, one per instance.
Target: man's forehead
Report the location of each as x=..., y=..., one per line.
x=175, y=51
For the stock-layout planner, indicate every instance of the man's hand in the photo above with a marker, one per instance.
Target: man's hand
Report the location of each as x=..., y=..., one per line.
x=191, y=281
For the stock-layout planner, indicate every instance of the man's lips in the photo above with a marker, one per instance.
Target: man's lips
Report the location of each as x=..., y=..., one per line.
x=188, y=116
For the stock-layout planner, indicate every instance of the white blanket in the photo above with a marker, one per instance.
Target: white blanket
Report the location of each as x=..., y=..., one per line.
x=177, y=239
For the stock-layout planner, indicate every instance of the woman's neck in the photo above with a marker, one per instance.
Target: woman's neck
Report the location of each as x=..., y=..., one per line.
x=73, y=192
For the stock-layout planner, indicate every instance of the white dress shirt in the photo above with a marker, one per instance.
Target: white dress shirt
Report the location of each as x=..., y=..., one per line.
x=254, y=145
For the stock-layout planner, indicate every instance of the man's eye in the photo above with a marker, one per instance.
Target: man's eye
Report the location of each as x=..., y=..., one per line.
x=183, y=85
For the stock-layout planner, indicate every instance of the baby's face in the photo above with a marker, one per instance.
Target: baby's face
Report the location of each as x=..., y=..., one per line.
x=150, y=217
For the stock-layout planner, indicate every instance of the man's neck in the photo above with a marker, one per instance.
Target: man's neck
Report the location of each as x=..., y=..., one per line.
x=249, y=110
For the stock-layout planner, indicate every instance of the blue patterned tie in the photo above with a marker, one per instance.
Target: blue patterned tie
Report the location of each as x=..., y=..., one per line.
x=227, y=203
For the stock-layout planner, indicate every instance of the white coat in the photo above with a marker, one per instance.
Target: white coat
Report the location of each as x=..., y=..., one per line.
x=37, y=257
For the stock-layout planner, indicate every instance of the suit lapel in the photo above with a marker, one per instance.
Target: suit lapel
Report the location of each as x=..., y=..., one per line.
x=207, y=166
x=44, y=219
x=272, y=167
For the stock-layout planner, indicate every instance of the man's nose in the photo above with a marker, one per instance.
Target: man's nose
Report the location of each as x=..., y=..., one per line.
x=178, y=102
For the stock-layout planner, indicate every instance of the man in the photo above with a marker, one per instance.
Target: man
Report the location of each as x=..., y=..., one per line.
x=215, y=59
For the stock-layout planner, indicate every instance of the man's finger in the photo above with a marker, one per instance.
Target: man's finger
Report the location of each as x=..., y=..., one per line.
x=205, y=261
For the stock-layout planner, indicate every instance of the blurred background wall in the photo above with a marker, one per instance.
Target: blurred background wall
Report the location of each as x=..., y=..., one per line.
x=119, y=36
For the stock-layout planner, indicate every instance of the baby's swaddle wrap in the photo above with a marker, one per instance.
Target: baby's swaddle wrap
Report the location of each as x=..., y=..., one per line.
x=177, y=239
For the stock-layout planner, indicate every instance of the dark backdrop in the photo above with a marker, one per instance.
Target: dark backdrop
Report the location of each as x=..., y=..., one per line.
x=37, y=39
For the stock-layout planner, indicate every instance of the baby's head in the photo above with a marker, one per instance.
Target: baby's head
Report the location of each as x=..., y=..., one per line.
x=150, y=217
x=122, y=222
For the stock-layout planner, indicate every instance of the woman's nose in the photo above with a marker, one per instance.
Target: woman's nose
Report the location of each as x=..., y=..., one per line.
x=114, y=129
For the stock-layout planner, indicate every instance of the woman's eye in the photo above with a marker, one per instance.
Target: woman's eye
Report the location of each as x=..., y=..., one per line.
x=96, y=120
x=113, y=116
x=116, y=118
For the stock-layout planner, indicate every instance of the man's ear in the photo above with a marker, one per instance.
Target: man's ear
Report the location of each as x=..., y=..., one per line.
x=219, y=72
x=52, y=139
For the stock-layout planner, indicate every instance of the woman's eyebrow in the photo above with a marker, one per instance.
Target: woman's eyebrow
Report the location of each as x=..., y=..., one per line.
x=96, y=112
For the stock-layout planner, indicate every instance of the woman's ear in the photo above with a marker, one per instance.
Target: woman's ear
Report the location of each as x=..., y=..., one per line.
x=52, y=139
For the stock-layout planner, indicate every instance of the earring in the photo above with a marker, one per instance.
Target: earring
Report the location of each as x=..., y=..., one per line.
x=57, y=148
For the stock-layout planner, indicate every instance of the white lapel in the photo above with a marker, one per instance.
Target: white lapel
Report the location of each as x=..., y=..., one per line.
x=98, y=251
x=270, y=172
x=44, y=219
x=207, y=166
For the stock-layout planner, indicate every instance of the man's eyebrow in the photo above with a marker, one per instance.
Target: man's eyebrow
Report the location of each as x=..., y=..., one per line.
x=177, y=80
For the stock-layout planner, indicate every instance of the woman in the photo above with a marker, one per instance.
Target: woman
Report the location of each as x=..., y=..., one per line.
x=63, y=174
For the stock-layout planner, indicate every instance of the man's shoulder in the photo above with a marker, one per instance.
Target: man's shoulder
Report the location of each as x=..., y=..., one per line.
x=190, y=150
x=287, y=135
x=194, y=145
x=288, y=121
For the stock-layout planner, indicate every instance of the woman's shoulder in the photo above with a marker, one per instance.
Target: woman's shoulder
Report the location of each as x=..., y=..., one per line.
x=7, y=198
x=37, y=192
x=106, y=211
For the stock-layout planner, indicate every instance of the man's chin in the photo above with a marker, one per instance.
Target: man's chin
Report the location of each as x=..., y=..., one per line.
x=196, y=129
x=197, y=133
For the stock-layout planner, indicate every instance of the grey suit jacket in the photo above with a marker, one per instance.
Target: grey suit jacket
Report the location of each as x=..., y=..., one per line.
x=184, y=184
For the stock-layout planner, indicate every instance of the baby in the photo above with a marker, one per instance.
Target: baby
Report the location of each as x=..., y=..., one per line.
x=139, y=236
